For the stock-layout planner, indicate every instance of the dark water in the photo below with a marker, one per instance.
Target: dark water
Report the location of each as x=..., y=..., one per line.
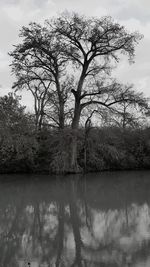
x=97, y=220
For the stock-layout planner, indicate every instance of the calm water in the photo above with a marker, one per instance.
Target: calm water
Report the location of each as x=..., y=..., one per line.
x=97, y=220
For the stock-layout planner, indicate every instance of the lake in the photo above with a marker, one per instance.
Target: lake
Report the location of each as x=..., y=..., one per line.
x=89, y=220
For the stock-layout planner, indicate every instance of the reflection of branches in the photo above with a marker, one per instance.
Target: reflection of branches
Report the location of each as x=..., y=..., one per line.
x=60, y=232
x=10, y=239
x=43, y=244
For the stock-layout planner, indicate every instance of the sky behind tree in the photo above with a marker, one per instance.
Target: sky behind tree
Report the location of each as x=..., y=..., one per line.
x=135, y=15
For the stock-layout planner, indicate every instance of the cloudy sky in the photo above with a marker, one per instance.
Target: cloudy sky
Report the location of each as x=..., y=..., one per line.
x=134, y=14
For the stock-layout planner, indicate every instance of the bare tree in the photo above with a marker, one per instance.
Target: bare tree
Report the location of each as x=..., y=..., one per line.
x=129, y=112
x=38, y=83
x=87, y=49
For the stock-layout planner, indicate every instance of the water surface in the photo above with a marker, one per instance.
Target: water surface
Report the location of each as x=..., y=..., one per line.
x=93, y=220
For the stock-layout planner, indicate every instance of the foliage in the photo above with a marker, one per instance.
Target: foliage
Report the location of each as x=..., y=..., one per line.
x=22, y=149
x=18, y=144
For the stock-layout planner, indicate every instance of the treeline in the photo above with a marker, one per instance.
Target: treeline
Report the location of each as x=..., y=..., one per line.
x=23, y=149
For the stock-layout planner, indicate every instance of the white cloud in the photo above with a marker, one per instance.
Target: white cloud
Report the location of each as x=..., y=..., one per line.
x=24, y=11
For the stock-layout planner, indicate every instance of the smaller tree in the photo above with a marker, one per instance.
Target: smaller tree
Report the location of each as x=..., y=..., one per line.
x=39, y=64
x=11, y=112
x=38, y=83
x=18, y=144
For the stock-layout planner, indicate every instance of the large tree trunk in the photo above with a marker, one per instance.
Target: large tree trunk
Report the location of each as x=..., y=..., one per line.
x=74, y=166
x=61, y=115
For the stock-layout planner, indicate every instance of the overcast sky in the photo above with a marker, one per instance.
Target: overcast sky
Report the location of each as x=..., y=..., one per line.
x=134, y=14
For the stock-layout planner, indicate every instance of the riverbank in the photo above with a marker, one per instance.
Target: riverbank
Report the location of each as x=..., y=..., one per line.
x=102, y=149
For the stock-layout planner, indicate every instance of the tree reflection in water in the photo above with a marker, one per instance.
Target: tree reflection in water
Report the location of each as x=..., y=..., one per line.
x=73, y=223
